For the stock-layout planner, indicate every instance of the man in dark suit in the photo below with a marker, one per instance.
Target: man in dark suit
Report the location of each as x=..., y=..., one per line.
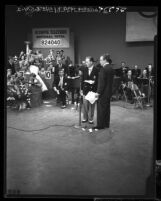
x=60, y=87
x=104, y=92
x=89, y=81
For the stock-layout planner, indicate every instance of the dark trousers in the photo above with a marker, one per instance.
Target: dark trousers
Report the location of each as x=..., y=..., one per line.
x=62, y=97
x=103, y=113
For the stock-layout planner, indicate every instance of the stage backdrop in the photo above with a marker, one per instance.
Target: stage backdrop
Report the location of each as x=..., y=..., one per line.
x=45, y=39
x=139, y=28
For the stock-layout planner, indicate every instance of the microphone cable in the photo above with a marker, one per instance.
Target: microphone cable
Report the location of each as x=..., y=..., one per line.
x=54, y=125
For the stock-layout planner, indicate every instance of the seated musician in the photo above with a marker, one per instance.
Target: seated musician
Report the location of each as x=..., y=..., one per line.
x=73, y=73
x=150, y=70
x=150, y=75
x=123, y=70
x=60, y=86
x=136, y=72
x=145, y=84
x=127, y=85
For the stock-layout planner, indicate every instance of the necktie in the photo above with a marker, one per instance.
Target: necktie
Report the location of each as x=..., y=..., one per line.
x=61, y=82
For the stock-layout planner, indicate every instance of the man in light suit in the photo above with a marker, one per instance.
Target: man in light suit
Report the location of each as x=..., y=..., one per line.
x=104, y=92
x=88, y=83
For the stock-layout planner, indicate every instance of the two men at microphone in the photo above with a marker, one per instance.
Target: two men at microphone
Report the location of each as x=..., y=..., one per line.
x=100, y=82
x=95, y=86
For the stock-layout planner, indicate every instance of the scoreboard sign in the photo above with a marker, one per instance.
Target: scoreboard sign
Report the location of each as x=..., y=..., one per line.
x=47, y=75
x=50, y=37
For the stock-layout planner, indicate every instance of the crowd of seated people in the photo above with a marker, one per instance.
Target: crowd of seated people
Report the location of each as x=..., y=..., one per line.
x=35, y=63
x=143, y=79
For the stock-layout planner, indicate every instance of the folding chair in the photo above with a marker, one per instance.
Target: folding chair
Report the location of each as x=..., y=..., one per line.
x=138, y=97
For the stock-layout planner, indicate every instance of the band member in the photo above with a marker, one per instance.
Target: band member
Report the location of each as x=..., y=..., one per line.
x=122, y=71
x=104, y=92
x=88, y=83
x=60, y=86
x=136, y=72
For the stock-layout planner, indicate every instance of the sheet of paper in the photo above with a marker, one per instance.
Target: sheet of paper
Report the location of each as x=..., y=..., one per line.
x=91, y=97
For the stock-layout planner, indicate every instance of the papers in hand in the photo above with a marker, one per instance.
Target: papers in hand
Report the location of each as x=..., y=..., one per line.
x=89, y=81
x=91, y=97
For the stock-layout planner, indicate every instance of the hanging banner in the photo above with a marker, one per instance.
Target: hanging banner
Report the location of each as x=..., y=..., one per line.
x=50, y=37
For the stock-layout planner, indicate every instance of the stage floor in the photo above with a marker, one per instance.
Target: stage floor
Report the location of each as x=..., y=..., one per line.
x=46, y=155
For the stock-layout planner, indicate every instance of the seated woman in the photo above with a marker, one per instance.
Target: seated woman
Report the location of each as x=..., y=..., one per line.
x=60, y=87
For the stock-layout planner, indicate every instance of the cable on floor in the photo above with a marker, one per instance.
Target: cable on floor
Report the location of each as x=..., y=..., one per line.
x=41, y=128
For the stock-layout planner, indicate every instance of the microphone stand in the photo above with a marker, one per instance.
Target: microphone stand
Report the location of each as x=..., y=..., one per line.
x=80, y=106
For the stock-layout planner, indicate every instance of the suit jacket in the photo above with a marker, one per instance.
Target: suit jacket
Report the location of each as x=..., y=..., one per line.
x=105, y=82
x=86, y=87
x=57, y=80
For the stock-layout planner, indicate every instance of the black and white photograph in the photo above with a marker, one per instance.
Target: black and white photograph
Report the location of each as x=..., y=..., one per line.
x=80, y=100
